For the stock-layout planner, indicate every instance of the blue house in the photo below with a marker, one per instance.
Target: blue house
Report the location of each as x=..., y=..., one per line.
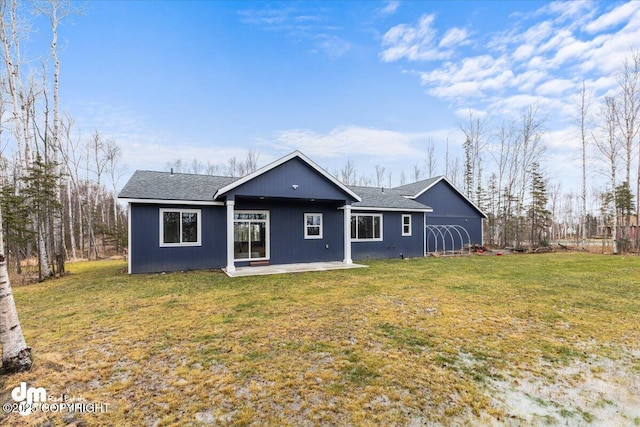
x=290, y=211
x=455, y=222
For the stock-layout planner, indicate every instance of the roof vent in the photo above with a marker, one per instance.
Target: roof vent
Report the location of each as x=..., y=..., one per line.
x=382, y=188
x=171, y=171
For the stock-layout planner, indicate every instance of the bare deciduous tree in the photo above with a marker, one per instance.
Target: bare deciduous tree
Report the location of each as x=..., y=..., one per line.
x=628, y=117
x=474, y=131
x=348, y=172
x=584, y=122
x=608, y=144
x=16, y=356
x=431, y=162
x=380, y=170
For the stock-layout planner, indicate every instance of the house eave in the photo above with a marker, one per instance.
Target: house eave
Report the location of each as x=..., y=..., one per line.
x=444, y=178
x=371, y=208
x=172, y=202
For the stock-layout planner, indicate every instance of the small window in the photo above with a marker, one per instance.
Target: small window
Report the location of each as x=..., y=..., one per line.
x=180, y=227
x=366, y=227
x=313, y=226
x=406, y=225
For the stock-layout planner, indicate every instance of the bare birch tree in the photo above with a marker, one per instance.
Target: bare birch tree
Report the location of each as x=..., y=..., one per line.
x=628, y=116
x=416, y=173
x=475, y=143
x=380, y=170
x=16, y=356
x=584, y=120
x=530, y=150
x=608, y=144
x=431, y=162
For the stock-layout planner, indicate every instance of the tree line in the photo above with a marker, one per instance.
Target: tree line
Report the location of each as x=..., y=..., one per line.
x=58, y=188
x=502, y=171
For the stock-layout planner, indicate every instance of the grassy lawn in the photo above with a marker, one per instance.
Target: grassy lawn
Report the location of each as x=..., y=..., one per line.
x=514, y=340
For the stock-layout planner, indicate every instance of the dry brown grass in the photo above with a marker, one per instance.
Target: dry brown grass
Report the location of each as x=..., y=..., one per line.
x=439, y=340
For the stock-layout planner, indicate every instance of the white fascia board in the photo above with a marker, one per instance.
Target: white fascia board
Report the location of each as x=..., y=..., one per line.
x=173, y=202
x=366, y=208
x=456, y=189
x=432, y=184
x=277, y=163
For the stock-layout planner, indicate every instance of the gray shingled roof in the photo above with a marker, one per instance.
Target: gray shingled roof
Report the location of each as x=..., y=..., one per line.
x=179, y=186
x=414, y=188
x=389, y=198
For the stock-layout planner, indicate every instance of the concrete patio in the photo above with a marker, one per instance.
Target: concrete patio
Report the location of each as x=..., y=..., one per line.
x=290, y=268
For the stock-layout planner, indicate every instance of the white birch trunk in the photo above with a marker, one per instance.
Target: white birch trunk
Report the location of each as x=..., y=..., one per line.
x=42, y=253
x=16, y=356
x=72, y=234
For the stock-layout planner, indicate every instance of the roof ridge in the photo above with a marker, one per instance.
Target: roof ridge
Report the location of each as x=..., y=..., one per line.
x=187, y=174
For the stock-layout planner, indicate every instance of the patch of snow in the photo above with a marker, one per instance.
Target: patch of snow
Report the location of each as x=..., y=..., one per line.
x=598, y=392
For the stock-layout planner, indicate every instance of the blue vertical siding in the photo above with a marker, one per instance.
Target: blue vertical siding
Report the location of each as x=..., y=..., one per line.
x=147, y=256
x=450, y=208
x=287, y=241
x=453, y=240
x=280, y=182
x=394, y=244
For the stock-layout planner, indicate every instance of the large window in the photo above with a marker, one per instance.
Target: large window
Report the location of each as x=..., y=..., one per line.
x=406, y=225
x=366, y=227
x=313, y=226
x=251, y=235
x=180, y=227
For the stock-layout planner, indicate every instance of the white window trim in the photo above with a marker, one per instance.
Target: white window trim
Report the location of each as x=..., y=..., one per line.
x=267, y=240
x=306, y=226
x=380, y=239
x=403, y=225
x=180, y=244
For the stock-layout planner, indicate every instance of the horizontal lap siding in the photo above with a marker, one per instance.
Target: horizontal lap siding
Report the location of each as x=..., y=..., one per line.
x=288, y=244
x=394, y=244
x=148, y=257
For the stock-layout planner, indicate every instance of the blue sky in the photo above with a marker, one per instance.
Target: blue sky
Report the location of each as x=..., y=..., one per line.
x=371, y=81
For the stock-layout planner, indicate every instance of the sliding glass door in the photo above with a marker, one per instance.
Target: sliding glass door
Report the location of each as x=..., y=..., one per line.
x=251, y=235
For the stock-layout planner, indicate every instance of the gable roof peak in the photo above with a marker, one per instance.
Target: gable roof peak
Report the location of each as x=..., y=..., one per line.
x=280, y=161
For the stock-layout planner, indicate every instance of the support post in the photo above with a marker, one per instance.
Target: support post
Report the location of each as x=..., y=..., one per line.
x=347, y=235
x=129, y=254
x=230, y=265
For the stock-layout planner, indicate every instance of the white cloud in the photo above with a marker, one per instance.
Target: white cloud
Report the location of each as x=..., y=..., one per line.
x=529, y=80
x=333, y=46
x=415, y=43
x=555, y=87
x=540, y=59
x=454, y=36
x=352, y=141
x=298, y=24
x=390, y=8
x=614, y=17
x=472, y=78
x=511, y=107
x=464, y=113
x=523, y=52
